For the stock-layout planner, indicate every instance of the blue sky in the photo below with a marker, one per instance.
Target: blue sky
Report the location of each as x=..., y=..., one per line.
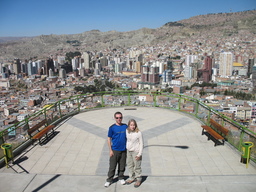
x=45, y=17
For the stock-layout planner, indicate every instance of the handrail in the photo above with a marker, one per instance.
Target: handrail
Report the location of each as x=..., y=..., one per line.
x=58, y=111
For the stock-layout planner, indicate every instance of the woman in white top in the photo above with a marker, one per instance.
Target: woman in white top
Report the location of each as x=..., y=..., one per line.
x=134, y=146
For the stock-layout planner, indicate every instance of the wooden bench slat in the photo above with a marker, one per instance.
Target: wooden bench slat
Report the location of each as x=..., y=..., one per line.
x=219, y=127
x=43, y=132
x=212, y=132
x=36, y=127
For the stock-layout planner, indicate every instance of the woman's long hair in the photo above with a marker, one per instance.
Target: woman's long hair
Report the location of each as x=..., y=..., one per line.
x=136, y=126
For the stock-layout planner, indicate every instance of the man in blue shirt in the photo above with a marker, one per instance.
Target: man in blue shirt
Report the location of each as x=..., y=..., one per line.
x=117, y=149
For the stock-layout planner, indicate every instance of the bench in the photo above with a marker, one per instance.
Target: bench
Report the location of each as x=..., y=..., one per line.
x=36, y=127
x=40, y=132
x=215, y=131
x=130, y=108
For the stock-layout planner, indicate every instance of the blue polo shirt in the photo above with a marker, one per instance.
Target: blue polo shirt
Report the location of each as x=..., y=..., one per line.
x=118, y=135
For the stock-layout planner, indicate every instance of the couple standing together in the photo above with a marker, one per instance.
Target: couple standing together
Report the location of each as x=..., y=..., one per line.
x=125, y=144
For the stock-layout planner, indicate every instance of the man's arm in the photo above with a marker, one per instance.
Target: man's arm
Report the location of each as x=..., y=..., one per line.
x=110, y=148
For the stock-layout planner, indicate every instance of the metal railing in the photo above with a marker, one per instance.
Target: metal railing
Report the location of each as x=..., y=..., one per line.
x=17, y=134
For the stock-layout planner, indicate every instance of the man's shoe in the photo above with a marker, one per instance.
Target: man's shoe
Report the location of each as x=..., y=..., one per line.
x=122, y=181
x=107, y=184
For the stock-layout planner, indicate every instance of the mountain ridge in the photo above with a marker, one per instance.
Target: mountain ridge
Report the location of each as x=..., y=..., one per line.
x=221, y=25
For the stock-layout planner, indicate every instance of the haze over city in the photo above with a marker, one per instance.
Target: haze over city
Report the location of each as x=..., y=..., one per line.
x=34, y=17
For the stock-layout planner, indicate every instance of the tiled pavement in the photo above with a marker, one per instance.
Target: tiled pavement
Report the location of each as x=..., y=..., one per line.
x=176, y=157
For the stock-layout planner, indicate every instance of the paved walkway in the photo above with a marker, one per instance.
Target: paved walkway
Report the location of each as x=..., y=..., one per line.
x=176, y=157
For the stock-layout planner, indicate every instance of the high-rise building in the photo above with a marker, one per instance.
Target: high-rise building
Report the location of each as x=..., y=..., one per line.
x=51, y=74
x=190, y=59
x=56, y=66
x=24, y=67
x=117, y=59
x=62, y=73
x=32, y=68
x=104, y=61
x=253, y=115
x=75, y=63
x=154, y=74
x=145, y=73
x=205, y=74
x=48, y=65
x=131, y=64
x=250, y=66
x=82, y=72
x=98, y=66
x=167, y=76
x=17, y=66
x=1, y=67
x=226, y=64
x=127, y=63
x=29, y=68
x=39, y=65
x=161, y=66
x=118, y=68
x=87, y=60
x=254, y=78
x=138, y=65
x=169, y=65
x=150, y=74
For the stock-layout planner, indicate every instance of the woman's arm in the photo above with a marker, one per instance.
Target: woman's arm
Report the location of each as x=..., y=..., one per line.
x=140, y=144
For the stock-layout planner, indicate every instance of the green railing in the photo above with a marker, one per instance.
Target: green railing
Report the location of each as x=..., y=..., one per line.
x=57, y=112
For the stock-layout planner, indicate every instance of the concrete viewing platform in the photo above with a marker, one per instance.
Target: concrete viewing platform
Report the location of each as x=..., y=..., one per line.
x=176, y=157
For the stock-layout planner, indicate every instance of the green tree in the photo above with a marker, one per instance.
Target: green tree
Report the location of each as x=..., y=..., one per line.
x=187, y=88
x=71, y=55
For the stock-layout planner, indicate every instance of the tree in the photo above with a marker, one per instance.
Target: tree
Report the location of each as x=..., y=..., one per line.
x=71, y=55
x=187, y=88
x=97, y=83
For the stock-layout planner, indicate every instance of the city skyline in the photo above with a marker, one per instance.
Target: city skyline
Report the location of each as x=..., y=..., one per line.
x=34, y=18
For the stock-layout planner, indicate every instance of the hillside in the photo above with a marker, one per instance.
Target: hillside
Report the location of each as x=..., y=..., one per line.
x=220, y=25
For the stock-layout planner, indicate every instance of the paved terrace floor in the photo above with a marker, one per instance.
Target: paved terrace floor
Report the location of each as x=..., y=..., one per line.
x=176, y=157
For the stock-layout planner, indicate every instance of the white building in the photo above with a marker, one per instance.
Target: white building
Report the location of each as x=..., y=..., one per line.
x=226, y=64
x=76, y=63
x=21, y=117
x=62, y=74
x=188, y=67
x=87, y=59
x=176, y=82
x=118, y=68
x=61, y=60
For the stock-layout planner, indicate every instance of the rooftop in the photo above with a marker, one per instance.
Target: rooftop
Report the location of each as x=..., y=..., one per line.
x=176, y=157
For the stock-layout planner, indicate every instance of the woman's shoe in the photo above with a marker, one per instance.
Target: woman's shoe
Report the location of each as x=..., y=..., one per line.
x=128, y=182
x=137, y=184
